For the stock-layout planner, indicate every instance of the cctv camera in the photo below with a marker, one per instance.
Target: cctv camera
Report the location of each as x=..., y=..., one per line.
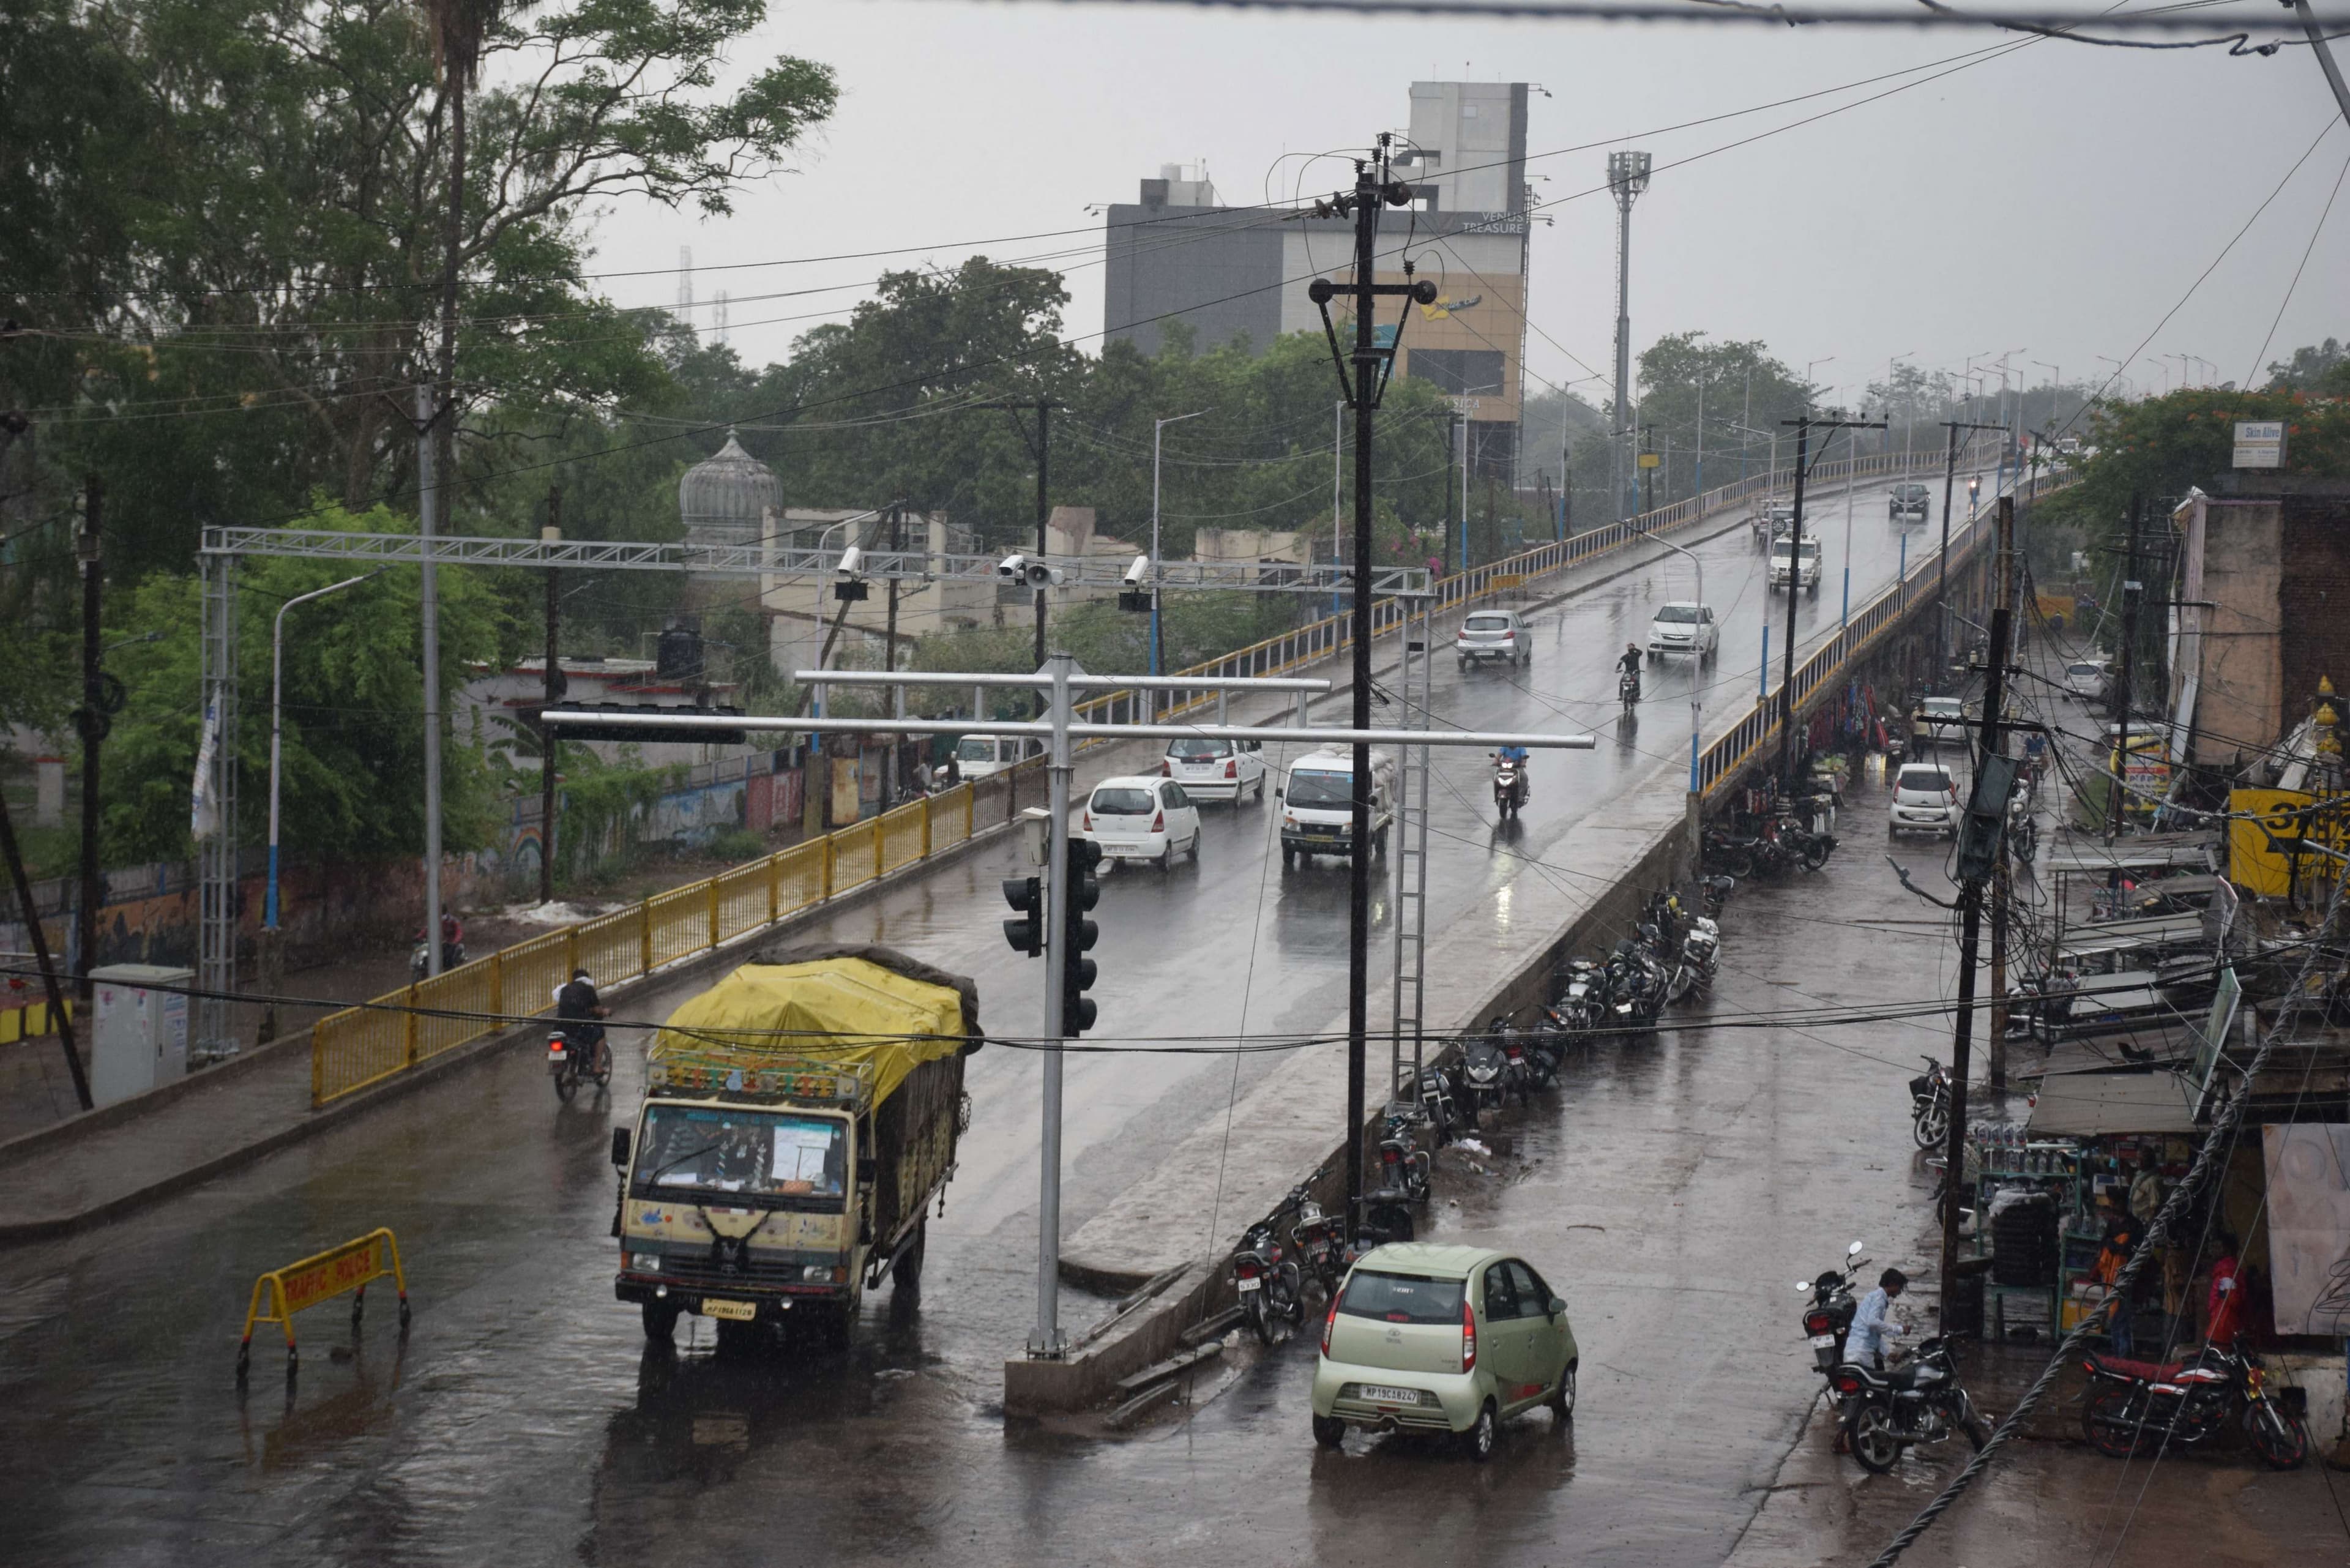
x=851, y=561
x=1011, y=568
x=1138, y=573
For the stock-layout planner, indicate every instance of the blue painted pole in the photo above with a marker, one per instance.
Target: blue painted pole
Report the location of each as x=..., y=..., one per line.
x=1902, y=574
x=1762, y=682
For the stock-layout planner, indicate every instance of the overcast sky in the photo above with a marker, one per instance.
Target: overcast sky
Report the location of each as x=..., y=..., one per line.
x=2058, y=200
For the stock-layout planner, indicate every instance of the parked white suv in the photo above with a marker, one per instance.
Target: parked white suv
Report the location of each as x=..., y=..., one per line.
x=1925, y=800
x=1141, y=819
x=1216, y=770
x=1496, y=635
x=1685, y=628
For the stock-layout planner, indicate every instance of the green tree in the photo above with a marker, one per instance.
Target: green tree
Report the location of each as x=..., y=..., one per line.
x=354, y=727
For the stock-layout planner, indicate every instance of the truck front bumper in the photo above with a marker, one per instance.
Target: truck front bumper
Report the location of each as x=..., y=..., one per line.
x=767, y=1300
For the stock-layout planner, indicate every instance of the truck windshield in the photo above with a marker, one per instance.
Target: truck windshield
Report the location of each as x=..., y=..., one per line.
x=693, y=1149
x=976, y=749
x=1321, y=788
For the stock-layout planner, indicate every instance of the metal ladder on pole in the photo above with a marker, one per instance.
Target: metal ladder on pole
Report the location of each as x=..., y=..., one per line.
x=216, y=856
x=1408, y=905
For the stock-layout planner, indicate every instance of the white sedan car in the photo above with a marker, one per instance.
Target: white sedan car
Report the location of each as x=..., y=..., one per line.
x=1141, y=818
x=1216, y=770
x=1685, y=628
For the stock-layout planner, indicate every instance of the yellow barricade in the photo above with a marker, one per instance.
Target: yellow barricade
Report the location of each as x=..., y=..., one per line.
x=278, y=1294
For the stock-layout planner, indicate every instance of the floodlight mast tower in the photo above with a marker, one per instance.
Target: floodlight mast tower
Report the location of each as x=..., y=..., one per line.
x=1627, y=176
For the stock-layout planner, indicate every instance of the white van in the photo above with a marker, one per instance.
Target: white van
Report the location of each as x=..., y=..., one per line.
x=979, y=756
x=1318, y=804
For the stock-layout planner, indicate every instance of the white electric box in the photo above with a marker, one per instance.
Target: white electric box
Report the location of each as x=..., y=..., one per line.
x=139, y=1040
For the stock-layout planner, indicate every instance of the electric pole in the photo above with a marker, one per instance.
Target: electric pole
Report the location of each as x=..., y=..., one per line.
x=551, y=690
x=1943, y=565
x=1627, y=176
x=890, y=652
x=94, y=723
x=1804, y=425
x=2132, y=591
x=1989, y=756
x=1372, y=365
x=1041, y=449
x=58, y=1020
x=428, y=504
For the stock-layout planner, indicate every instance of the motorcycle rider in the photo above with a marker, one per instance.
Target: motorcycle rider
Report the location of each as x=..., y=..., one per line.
x=452, y=939
x=1518, y=757
x=577, y=1007
x=1630, y=665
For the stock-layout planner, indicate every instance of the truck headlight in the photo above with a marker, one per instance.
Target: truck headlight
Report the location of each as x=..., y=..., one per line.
x=820, y=1274
x=645, y=1263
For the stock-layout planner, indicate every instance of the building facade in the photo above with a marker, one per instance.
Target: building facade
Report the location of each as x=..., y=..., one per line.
x=1180, y=258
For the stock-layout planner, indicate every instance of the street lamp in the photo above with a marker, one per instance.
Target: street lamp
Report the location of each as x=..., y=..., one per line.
x=1772, y=437
x=1808, y=364
x=2119, y=366
x=1697, y=674
x=1156, y=426
x=276, y=729
x=1908, y=403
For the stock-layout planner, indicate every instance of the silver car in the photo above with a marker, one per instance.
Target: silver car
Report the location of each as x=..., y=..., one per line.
x=1493, y=635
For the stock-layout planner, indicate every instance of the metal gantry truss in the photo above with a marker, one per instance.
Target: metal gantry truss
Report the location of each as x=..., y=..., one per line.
x=1411, y=901
x=217, y=857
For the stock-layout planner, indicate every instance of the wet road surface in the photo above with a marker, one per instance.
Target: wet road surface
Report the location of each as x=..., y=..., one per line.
x=1667, y=1185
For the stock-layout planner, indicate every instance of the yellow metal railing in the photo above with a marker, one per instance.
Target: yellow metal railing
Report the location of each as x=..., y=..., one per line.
x=361, y=1046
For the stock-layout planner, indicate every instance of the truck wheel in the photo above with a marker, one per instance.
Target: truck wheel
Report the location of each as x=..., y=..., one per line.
x=660, y=1322
x=906, y=1273
x=1288, y=859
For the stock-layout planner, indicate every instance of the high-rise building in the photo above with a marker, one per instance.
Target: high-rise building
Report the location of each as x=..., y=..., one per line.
x=1180, y=258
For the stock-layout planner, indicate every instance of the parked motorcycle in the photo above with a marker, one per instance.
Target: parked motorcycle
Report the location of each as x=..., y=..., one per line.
x=1439, y=1103
x=1929, y=1105
x=1715, y=892
x=1320, y=1241
x=1266, y=1277
x=1485, y=1074
x=1509, y=786
x=1920, y=1401
x=1807, y=848
x=1828, y=1318
x=1404, y=1166
x=2023, y=829
x=1583, y=999
x=2142, y=1404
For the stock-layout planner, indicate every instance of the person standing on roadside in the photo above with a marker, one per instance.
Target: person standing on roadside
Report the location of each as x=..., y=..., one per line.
x=2224, y=1304
x=1864, y=1343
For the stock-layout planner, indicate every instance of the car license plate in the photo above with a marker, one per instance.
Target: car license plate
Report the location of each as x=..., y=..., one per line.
x=737, y=1312
x=1378, y=1396
x=1248, y=1285
x=1822, y=1341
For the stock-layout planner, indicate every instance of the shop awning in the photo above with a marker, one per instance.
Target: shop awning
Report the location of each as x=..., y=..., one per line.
x=2153, y=1043
x=2154, y=851
x=2103, y=1105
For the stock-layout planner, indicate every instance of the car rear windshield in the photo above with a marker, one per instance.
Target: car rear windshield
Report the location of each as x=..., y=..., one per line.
x=1925, y=781
x=2084, y=669
x=1320, y=788
x=1122, y=802
x=1487, y=623
x=1400, y=1298
x=1196, y=750
x=1682, y=614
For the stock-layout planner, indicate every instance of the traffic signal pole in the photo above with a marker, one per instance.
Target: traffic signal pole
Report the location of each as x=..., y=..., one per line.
x=1060, y=765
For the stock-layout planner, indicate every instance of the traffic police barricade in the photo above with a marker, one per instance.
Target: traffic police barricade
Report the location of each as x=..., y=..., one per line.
x=278, y=1294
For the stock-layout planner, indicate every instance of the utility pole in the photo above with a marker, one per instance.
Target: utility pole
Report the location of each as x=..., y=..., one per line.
x=58, y=1019
x=1371, y=366
x=2132, y=591
x=889, y=653
x=428, y=503
x=1992, y=743
x=1627, y=176
x=1447, y=522
x=94, y=724
x=551, y=690
x=1041, y=449
x=1943, y=565
x=2000, y=880
x=1804, y=425
x=2317, y=47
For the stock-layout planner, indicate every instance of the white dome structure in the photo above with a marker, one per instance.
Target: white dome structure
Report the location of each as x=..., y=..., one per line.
x=724, y=498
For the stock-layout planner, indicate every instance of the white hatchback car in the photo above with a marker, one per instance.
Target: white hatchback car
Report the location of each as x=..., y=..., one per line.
x=1685, y=628
x=2087, y=678
x=1941, y=718
x=1925, y=800
x=1141, y=819
x=1497, y=635
x=1216, y=770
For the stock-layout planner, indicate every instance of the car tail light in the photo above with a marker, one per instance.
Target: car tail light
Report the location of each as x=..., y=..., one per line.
x=1166, y=768
x=1158, y=822
x=1089, y=823
x=1232, y=768
x=1467, y=1336
x=1509, y=637
x=1328, y=1324
x=1818, y=1323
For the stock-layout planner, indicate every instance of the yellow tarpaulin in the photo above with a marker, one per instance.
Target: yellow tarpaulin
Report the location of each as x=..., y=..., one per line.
x=2255, y=864
x=843, y=1011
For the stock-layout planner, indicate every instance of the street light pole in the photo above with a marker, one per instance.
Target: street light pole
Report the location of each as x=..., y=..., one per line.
x=1697, y=683
x=276, y=733
x=1156, y=427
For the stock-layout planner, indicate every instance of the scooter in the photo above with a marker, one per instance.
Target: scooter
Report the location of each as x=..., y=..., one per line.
x=1509, y=787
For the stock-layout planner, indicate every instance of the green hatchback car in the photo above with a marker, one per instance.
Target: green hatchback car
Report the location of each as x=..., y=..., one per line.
x=1429, y=1338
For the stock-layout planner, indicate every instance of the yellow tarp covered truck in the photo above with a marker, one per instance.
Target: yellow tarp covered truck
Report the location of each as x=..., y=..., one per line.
x=799, y=1118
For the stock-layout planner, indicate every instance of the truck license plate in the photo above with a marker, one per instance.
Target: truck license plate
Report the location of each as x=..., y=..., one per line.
x=737, y=1312
x=1822, y=1341
x=1378, y=1396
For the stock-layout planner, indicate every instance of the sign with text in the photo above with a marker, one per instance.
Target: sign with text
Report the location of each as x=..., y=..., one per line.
x=2260, y=443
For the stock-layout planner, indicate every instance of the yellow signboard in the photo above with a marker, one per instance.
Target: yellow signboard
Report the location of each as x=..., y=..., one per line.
x=1651, y=459
x=2263, y=819
x=278, y=1294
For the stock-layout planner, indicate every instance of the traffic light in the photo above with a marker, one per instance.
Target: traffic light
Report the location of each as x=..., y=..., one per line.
x=1079, y=933
x=1027, y=933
